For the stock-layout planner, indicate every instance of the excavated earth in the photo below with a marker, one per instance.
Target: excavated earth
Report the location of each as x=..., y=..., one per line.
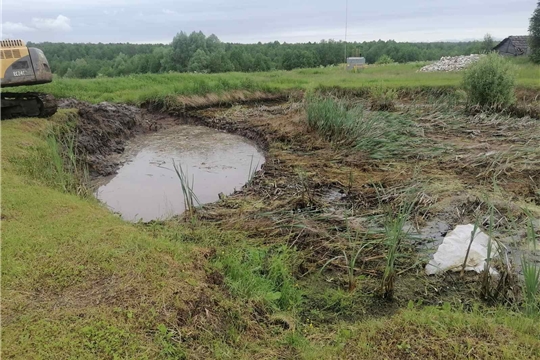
x=103, y=129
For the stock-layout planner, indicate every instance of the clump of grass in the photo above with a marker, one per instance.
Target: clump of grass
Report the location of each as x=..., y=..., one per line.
x=187, y=188
x=531, y=274
x=335, y=120
x=382, y=98
x=262, y=276
x=501, y=285
x=531, y=285
x=486, y=288
x=380, y=134
x=56, y=163
x=489, y=83
x=64, y=169
x=394, y=235
x=306, y=198
x=350, y=257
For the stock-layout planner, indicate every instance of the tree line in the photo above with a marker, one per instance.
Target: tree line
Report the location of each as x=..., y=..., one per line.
x=197, y=52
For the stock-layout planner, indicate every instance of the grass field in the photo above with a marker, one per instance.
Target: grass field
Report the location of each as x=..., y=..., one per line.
x=139, y=88
x=245, y=280
x=80, y=283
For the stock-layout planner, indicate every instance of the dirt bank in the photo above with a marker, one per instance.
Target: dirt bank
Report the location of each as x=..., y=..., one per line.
x=103, y=129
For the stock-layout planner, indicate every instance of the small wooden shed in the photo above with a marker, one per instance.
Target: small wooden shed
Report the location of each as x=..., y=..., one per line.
x=513, y=46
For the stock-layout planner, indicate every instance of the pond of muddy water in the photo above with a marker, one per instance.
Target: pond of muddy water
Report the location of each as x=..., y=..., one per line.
x=147, y=187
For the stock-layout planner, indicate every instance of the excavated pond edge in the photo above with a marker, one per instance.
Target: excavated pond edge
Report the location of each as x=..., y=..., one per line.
x=102, y=130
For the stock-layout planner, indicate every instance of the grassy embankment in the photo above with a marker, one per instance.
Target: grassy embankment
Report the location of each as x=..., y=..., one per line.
x=139, y=88
x=78, y=282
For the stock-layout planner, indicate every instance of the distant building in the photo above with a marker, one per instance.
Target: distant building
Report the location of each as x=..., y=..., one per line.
x=355, y=62
x=514, y=46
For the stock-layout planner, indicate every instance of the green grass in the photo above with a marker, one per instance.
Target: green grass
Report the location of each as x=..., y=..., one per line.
x=262, y=276
x=80, y=283
x=77, y=281
x=394, y=235
x=431, y=333
x=139, y=88
x=379, y=134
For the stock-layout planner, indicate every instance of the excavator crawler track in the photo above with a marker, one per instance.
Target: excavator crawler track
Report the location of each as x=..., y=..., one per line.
x=31, y=104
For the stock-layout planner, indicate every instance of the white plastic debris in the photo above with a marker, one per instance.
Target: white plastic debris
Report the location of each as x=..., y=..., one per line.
x=451, y=253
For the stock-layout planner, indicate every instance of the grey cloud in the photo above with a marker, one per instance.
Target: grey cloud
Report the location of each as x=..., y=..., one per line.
x=263, y=20
x=10, y=27
x=60, y=23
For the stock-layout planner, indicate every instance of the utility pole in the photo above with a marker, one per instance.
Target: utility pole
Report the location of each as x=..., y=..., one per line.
x=346, y=21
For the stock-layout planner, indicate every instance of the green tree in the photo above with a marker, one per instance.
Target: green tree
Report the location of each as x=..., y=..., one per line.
x=106, y=59
x=213, y=44
x=106, y=71
x=167, y=60
x=154, y=63
x=384, y=59
x=198, y=62
x=487, y=43
x=294, y=59
x=197, y=41
x=261, y=62
x=69, y=73
x=121, y=65
x=180, y=54
x=219, y=62
x=534, y=31
x=82, y=70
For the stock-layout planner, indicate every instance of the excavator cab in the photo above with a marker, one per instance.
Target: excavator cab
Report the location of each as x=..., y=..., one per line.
x=21, y=65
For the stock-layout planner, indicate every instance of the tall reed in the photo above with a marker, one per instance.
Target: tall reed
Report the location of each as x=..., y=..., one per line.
x=70, y=174
x=351, y=257
x=187, y=188
x=394, y=236
x=531, y=274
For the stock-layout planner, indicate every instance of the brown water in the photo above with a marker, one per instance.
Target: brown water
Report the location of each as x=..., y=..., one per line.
x=147, y=188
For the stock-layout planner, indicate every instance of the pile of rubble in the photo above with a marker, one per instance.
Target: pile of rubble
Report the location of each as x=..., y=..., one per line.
x=451, y=63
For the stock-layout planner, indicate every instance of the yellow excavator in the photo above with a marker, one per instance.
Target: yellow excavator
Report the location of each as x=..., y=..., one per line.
x=21, y=65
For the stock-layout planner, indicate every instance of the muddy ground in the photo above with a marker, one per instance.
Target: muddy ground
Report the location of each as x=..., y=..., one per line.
x=102, y=130
x=311, y=193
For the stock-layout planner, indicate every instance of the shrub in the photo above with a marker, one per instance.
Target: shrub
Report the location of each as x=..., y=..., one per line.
x=490, y=82
x=382, y=98
x=384, y=59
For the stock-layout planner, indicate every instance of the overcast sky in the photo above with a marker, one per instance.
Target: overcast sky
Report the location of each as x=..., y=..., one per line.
x=151, y=21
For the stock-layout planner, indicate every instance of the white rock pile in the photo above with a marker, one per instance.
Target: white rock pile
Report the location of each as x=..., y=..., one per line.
x=451, y=63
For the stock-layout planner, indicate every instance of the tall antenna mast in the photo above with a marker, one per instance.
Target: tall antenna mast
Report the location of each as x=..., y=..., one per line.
x=346, y=21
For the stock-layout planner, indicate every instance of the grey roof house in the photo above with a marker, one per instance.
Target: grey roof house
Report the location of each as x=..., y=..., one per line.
x=513, y=46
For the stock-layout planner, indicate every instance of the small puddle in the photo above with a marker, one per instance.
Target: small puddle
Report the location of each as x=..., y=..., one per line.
x=147, y=188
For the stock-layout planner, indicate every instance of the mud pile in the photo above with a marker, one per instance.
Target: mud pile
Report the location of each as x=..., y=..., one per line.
x=102, y=130
x=451, y=63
